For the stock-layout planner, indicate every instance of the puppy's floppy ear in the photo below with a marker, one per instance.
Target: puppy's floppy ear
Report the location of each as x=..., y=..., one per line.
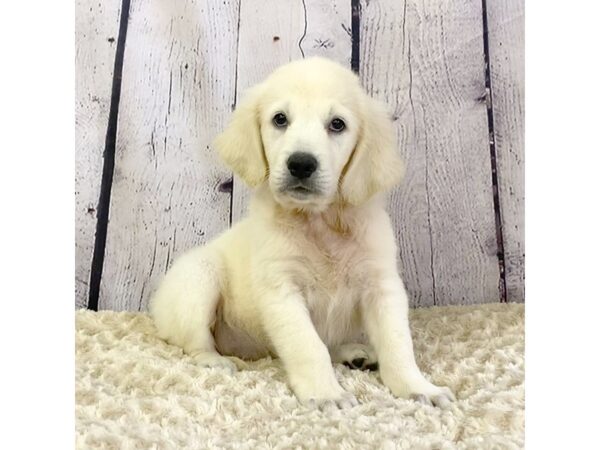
x=375, y=164
x=240, y=145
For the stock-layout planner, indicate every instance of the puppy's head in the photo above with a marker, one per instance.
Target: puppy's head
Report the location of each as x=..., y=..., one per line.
x=310, y=132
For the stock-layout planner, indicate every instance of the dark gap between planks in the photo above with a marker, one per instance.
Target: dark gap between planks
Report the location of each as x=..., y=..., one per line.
x=355, y=29
x=109, y=164
x=493, y=156
x=235, y=98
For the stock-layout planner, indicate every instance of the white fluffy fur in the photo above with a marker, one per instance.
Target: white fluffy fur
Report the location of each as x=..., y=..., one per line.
x=305, y=276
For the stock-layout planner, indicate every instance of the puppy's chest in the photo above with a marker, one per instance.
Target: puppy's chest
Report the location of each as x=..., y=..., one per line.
x=333, y=285
x=335, y=260
x=332, y=298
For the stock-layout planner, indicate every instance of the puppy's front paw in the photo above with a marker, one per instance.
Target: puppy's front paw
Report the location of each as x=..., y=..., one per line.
x=325, y=395
x=441, y=396
x=422, y=391
x=344, y=401
x=214, y=360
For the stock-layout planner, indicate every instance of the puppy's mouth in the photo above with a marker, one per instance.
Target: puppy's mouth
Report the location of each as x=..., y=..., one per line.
x=300, y=190
x=305, y=194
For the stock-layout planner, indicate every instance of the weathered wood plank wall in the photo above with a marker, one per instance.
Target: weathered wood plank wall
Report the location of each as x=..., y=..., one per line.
x=185, y=65
x=506, y=32
x=434, y=79
x=96, y=28
x=177, y=91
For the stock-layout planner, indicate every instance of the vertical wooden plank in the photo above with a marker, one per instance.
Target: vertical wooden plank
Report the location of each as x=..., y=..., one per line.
x=177, y=91
x=96, y=29
x=506, y=34
x=425, y=59
x=273, y=33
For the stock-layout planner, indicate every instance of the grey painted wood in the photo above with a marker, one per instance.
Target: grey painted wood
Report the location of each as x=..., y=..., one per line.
x=425, y=59
x=506, y=33
x=96, y=29
x=290, y=30
x=177, y=92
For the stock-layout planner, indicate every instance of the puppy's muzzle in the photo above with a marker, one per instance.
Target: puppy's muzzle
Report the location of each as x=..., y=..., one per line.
x=302, y=165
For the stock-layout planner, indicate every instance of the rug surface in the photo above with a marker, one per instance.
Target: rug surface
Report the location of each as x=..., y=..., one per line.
x=133, y=391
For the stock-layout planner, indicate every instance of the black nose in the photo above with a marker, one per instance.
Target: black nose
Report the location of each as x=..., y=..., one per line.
x=301, y=165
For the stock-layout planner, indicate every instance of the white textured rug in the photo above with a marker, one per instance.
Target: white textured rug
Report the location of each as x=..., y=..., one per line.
x=134, y=391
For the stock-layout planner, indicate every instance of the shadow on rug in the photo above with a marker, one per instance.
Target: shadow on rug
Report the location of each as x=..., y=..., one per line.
x=135, y=391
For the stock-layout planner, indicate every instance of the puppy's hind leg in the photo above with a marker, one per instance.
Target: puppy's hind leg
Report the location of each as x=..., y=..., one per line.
x=184, y=307
x=355, y=356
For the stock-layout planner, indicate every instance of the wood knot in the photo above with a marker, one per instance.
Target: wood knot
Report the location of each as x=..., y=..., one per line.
x=485, y=98
x=226, y=186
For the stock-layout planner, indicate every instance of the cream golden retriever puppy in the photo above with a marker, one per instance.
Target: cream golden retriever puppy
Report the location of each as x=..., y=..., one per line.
x=310, y=275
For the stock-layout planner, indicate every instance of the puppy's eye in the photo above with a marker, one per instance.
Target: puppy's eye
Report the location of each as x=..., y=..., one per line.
x=337, y=125
x=280, y=120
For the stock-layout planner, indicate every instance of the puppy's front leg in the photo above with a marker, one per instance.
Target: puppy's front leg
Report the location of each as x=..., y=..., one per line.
x=304, y=356
x=385, y=315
